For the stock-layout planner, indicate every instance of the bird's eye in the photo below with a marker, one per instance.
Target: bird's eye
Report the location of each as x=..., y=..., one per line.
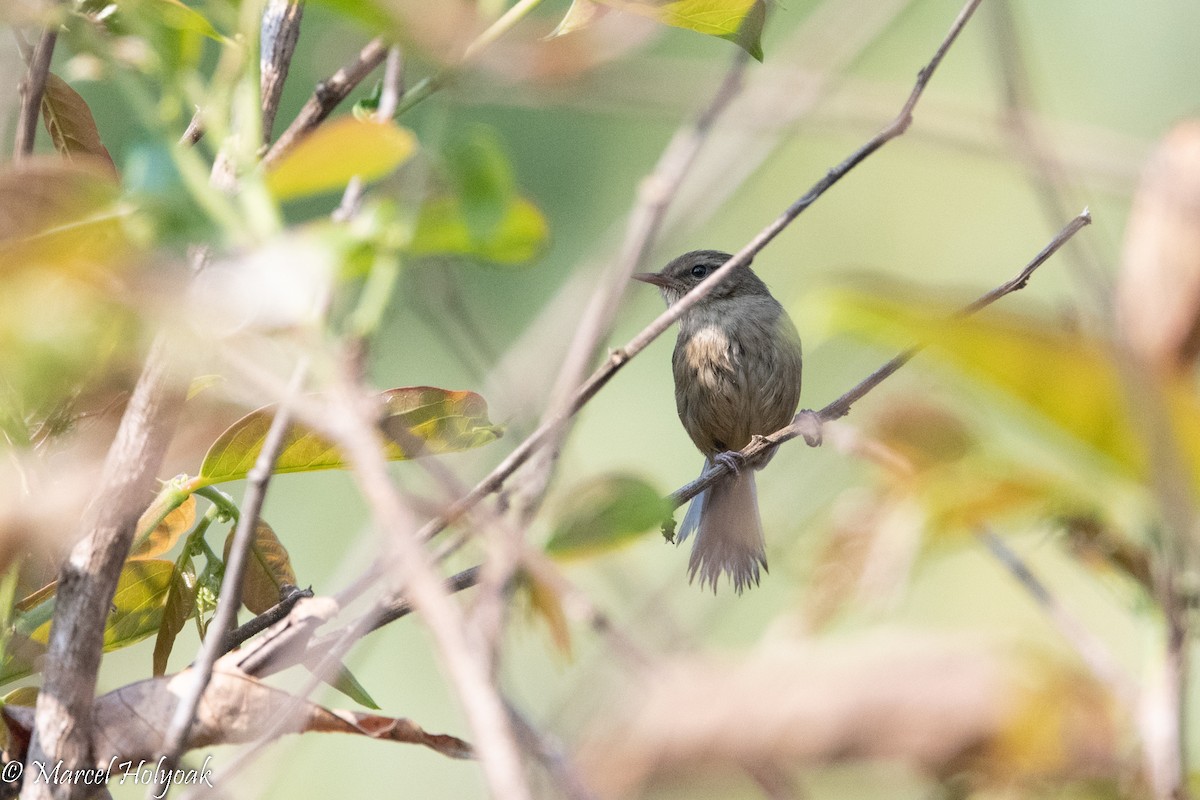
x=699, y=271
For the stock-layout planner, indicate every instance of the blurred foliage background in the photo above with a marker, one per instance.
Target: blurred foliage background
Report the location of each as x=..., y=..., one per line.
x=955, y=207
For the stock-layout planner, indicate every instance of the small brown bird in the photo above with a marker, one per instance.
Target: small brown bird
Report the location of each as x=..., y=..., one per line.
x=737, y=368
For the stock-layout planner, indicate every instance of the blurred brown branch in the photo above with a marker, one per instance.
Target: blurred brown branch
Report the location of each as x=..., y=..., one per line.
x=938, y=705
x=225, y=617
x=32, y=88
x=88, y=579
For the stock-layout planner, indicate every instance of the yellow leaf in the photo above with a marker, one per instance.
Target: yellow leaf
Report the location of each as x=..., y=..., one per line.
x=337, y=151
x=1063, y=377
x=545, y=600
x=168, y=530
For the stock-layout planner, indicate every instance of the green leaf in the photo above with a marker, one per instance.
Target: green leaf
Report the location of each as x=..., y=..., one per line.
x=438, y=420
x=368, y=12
x=137, y=608
x=482, y=178
x=739, y=21
x=138, y=603
x=605, y=513
x=344, y=681
x=478, y=213
x=180, y=606
x=70, y=123
x=442, y=230
x=1063, y=376
x=184, y=18
x=268, y=568
x=339, y=150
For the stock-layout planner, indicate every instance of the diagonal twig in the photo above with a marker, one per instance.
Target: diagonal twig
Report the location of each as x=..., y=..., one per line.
x=1089, y=648
x=280, y=32
x=325, y=98
x=223, y=620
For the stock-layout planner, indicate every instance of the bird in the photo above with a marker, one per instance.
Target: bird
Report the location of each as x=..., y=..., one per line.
x=737, y=366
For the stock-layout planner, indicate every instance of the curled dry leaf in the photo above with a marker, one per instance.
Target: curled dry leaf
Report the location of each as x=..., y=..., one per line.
x=130, y=723
x=167, y=529
x=936, y=704
x=1158, y=291
x=268, y=568
x=70, y=124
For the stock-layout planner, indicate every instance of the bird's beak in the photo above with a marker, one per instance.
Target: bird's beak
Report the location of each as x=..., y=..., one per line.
x=654, y=278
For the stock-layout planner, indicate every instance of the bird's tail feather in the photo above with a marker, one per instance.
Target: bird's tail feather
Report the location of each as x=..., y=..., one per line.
x=729, y=535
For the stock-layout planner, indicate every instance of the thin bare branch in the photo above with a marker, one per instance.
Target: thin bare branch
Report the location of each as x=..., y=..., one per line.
x=1090, y=649
x=808, y=423
x=225, y=617
x=280, y=32
x=326, y=97
x=276, y=613
x=551, y=755
x=32, y=89
x=393, y=87
x=88, y=579
x=356, y=437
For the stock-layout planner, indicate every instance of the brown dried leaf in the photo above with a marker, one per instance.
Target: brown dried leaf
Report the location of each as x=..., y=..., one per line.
x=178, y=609
x=70, y=123
x=1158, y=289
x=268, y=569
x=546, y=601
x=130, y=723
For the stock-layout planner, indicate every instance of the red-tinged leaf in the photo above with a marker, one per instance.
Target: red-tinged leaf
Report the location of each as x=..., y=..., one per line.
x=232, y=711
x=70, y=123
x=268, y=569
x=421, y=420
x=179, y=608
x=339, y=150
x=167, y=529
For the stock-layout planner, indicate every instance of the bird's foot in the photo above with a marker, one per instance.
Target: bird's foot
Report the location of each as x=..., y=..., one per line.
x=810, y=423
x=731, y=460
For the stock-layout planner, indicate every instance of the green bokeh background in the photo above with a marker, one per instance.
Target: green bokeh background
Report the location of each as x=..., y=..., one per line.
x=951, y=204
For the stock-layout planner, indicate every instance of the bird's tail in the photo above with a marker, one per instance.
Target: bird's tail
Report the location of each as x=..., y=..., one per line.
x=729, y=535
